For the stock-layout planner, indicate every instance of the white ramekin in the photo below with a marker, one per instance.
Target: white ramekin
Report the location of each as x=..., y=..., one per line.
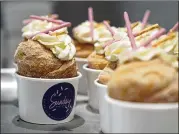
x=82, y=89
x=103, y=107
x=129, y=117
x=47, y=101
x=92, y=75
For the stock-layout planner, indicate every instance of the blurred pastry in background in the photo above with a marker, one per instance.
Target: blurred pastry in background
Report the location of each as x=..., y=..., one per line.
x=168, y=42
x=48, y=51
x=97, y=59
x=112, y=51
x=107, y=51
x=142, y=80
x=88, y=33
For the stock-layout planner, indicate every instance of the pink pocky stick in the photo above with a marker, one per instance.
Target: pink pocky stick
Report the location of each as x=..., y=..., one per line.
x=129, y=31
x=91, y=19
x=145, y=18
x=47, y=19
x=156, y=35
x=144, y=21
x=65, y=24
x=27, y=21
x=175, y=27
x=109, y=28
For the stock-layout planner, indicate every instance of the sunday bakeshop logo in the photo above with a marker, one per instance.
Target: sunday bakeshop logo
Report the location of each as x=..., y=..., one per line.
x=58, y=101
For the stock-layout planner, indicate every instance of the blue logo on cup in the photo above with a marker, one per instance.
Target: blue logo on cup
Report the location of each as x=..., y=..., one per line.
x=58, y=101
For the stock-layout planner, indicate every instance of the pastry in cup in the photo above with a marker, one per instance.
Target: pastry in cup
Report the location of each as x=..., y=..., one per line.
x=144, y=88
x=112, y=51
x=96, y=62
x=85, y=36
x=103, y=35
x=47, y=75
x=143, y=75
x=101, y=83
x=105, y=54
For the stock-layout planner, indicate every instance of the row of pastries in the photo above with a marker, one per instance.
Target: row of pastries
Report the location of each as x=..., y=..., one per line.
x=138, y=62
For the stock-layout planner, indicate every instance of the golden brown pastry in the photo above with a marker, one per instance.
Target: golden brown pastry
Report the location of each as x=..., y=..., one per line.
x=83, y=50
x=147, y=81
x=106, y=73
x=168, y=94
x=34, y=60
x=97, y=61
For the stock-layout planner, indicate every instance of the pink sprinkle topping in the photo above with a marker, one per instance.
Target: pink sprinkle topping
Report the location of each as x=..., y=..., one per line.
x=109, y=28
x=65, y=24
x=129, y=30
x=145, y=18
x=47, y=19
x=91, y=18
x=156, y=35
x=175, y=27
x=110, y=42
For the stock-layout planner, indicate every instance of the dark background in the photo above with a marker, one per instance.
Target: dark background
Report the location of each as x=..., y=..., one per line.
x=12, y=13
x=164, y=13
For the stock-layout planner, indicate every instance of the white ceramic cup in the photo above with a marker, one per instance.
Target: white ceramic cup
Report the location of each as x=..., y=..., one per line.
x=92, y=75
x=47, y=101
x=82, y=89
x=129, y=117
x=103, y=107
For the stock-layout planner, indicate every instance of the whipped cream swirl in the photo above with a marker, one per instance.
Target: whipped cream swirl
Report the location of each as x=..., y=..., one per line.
x=146, y=54
x=37, y=26
x=61, y=45
x=113, y=50
x=101, y=33
x=100, y=46
x=58, y=41
x=82, y=33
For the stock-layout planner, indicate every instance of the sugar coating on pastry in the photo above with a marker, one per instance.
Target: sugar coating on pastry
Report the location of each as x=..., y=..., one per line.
x=144, y=81
x=35, y=60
